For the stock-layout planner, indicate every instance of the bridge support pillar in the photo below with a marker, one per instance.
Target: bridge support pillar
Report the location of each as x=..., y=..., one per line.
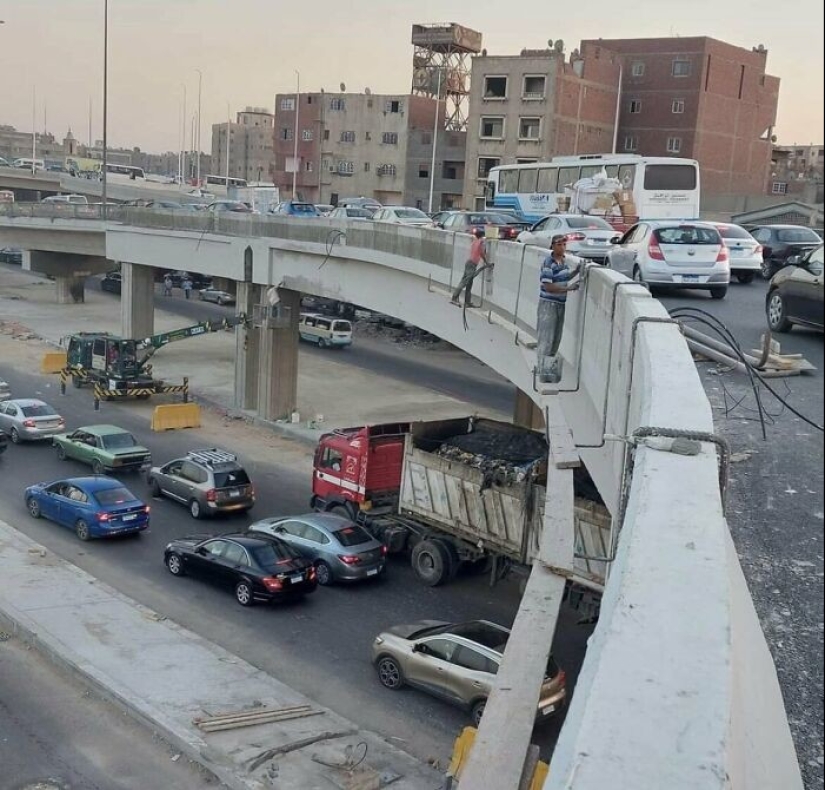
x=526, y=414
x=278, y=379
x=68, y=270
x=137, y=301
x=247, y=349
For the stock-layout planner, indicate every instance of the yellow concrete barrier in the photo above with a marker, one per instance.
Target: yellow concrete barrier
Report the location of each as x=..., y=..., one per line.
x=461, y=753
x=171, y=416
x=53, y=362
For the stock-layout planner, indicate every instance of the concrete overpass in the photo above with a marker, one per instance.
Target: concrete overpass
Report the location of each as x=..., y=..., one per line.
x=678, y=689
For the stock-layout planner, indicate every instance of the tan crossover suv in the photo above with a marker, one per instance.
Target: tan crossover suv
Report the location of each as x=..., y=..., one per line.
x=456, y=662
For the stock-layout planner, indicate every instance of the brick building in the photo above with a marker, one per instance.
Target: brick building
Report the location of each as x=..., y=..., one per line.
x=536, y=105
x=702, y=99
x=250, y=146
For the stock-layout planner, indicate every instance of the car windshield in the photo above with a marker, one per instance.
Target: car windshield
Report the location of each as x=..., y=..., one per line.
x=687, y=234
x=734, y=232
x=491, y=219
x=410, y=213
x=274, y=555
x=798, y=234
x=114, y=496
x=352, y=535
x=304, y=208
x=118, y=441
x=359, y=212
x=483, y=634
x=588, y=223
x=235, y=477
x=38, y=410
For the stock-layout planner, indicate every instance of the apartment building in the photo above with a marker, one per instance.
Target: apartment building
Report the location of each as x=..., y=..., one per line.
x=536, y=105
x=698, y=98
x=794, y=168
x=360, y=144
x=250, y=154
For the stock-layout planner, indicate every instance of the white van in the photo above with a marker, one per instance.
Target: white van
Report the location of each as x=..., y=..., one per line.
x=27, y=163
x=326, y=331
x=74, y=200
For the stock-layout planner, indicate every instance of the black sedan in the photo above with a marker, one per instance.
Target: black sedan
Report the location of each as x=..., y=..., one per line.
x=795, y=293
x=507, y=226
x=112, y=282
x=256, y=568
x=781, y=242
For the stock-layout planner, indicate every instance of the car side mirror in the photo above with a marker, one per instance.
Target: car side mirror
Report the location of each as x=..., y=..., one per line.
x=616, y=240
x=795, y=260
x=418, y=648
x=201, y=550
x=280, y=530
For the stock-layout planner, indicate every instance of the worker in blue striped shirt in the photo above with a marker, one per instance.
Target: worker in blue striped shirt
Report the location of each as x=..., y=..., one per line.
x=557, y=280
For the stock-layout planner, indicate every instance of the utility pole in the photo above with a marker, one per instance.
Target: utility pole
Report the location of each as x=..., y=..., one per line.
x=435, y=139
x=105, y=102
x=295, y=146
x=34, y=133
x=198, y=155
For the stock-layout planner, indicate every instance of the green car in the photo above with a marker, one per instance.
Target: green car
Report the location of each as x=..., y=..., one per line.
x=106, y=448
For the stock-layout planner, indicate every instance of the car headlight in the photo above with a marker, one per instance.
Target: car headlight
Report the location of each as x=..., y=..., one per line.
x=379, y=640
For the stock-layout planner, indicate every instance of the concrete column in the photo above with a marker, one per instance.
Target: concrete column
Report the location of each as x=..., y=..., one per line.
x=278, y=382
x=526, y=414
x=137, y=301
x=247, y=349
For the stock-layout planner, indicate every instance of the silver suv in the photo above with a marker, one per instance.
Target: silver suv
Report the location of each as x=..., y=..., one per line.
x=206, y=481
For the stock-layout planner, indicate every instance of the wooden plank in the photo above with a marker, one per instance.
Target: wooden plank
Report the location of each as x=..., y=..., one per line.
x=563, y=452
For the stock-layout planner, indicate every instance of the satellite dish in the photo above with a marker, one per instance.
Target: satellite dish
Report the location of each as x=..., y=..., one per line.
x=559, y=46
x=367, y=91
x=343, y=88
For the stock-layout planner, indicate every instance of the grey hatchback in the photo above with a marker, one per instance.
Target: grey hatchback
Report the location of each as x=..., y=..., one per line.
x=206, y=481
x=341, y=549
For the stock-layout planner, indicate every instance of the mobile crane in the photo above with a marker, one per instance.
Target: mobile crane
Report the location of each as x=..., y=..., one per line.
x=119, y=368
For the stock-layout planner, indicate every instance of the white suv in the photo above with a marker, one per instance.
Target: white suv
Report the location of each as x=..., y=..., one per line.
x=674, y=254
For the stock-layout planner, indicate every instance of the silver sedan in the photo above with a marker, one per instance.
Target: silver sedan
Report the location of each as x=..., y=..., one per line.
x=28, y=420
x=341, y=549
x=216, y=295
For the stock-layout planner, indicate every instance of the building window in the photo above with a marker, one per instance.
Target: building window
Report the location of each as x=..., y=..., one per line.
x=492, y=128
x=308, y=166
x=286, y=133
x=495, y=87
x=423, y=171
x=347, y=137
x=487, y=163
x=631, y=143
x=326, y=134
x=306, y=135
x=386, y=170
x=533, y=88
x=677, y=107
x=337, y=104
x=529, y=128
x=288, y=105
x=779, y=188
x=368, y=136
x=389, y=138
x=635, y=106
x=674, y=145
x=346, y=168
x=638, y=69
x=393, y=106
x=366, y=167
x=681, y=68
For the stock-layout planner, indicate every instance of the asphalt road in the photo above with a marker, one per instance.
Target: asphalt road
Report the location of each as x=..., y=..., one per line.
x=55, y=734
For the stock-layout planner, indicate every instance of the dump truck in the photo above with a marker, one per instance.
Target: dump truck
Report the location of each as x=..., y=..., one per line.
x=453, y=493
x=119, y=368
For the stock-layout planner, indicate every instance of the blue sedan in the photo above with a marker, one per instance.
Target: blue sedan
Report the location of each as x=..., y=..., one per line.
x=94, y=507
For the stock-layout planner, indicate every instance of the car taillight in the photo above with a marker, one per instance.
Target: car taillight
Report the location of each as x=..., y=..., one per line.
x=349, y=559
x=655, y=251
x=272, y=583
x=61, y=421
x=311, y=574
x=723, y=256
x=561, y=678
x=251, y=491
x=146, y=509
x=29, y=424
x=102, y=516
x=384, y=551
x=757, y=250
x=575, y=237
x=211, y=495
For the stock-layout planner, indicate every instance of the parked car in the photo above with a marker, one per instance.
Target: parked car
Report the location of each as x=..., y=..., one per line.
x=675, y=255
x=208, y=482
x=795, y=293
x=324, y=209
x=257, y=568
x=508, y=227
x=28, y=420
x=325, y=331
x=11, y=255
x=199, y=281
x=5, y=390
x=362, y=202
x=297, y=208
x=231, y=206
x=439, y=216
x=4, y=442
x=112, y=282
x=94, y=507
x=780, y=242
x=744, y=250
x=457, y=662
x=340, y=549
x=106, y=448
x=66, y=200
x=352, y=212
x=216, y=295
x=403, y=215
x=587, y=237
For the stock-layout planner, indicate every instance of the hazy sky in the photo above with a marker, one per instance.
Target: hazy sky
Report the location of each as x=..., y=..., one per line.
x=248, y=50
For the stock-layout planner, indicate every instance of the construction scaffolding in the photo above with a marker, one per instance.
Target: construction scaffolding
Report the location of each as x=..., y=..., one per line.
x=442, y=67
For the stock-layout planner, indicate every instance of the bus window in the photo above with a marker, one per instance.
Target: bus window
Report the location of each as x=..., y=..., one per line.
x=680, y=177
x=612, y=171
x=627, y=176
x=591, y=170
x=548, y=178
x=527, y=180
x=568, y=176
x=508, y=181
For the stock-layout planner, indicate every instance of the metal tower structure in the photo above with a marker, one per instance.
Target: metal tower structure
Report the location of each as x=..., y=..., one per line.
x=441, y=67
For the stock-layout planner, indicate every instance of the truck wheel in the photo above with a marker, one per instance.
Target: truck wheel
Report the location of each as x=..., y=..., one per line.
x=431, y=562
x=453, y=560
x=345, y=511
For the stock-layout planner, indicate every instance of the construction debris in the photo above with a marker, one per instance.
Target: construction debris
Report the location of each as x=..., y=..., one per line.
x=253, y=717
x=293, y=746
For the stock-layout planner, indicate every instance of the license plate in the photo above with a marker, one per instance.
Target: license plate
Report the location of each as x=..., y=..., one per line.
x=373, y=572
x=234, y=494
x=131, y=517
x=297, y=578
x=548, y=709
x=690, y=278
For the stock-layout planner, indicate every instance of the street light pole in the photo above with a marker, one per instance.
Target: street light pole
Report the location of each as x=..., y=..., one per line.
x=295, y=134
x=200, y=82
x=228, y=131
x=34, y=134
x=105, y=101
x=435, y=139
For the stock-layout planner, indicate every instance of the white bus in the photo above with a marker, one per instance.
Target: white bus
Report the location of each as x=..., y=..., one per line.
x=643, y=187
x=221, y=180
x=129, y=171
